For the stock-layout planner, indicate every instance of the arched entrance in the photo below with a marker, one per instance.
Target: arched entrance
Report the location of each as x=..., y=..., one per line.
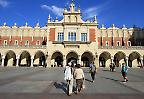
x=72, y=57
x=10, y=59
x=25, y=59
x=39, y=59
x=134, y=59
x=104, y=59
x=119, y=58
x=86, y=59
x=57, y=59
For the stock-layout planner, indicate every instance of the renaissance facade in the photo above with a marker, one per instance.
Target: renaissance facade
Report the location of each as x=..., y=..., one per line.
x=70, y=40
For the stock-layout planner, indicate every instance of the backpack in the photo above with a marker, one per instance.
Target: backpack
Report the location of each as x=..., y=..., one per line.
x=93, y=68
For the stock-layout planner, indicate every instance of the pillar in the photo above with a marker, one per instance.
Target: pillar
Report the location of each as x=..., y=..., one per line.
x=79, y=59
x=3, y=58
x=96, y=60
x=48, y=61
x=142, y=64
x=112, y=59
x=32, y=60
x=64, y=61
x=17, y=62
x=127, y=60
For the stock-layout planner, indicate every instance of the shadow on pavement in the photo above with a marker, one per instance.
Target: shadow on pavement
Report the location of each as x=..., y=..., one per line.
x=61, y=85
x=88, y=80
x=111, y=79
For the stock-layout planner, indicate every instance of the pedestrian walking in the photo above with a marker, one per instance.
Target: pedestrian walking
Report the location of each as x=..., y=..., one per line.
x=113, y=67
x=110, y=67
x=93, y=71
x=79, y=76
x=68, y=76
x=124, y=72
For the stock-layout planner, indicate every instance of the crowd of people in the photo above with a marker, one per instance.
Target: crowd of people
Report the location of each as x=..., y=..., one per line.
x=76, y=72
x=72, y=72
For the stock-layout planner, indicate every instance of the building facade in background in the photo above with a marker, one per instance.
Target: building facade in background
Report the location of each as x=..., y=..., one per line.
x=71, y=40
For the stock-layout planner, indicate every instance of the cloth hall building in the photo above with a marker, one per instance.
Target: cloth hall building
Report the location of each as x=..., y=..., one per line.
x=70, y=39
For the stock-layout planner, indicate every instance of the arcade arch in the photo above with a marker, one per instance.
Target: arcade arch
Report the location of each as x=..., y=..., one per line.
x=57, y=59
x=119, y=58
x=25, y=59
x=104, y=59
x=10, y=58
x=86, y=59
x=39, y=59
x=134, y=59
x=72, y=57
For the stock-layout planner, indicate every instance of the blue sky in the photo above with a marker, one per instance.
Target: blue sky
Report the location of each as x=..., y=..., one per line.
x=118, y=12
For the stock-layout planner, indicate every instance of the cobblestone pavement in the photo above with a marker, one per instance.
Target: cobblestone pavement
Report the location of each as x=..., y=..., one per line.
x=48, y=83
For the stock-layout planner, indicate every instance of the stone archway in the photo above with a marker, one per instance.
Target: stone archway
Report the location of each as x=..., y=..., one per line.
x=134, y=59
x=39, y=59
x=72, y=57
x=25, y=59
x=119, y=58
x=57, y=59
x=10, y=59
x=86, y=59
x=104, y=59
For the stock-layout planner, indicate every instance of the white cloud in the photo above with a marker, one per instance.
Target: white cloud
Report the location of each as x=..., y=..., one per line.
x=92, y=11
x=4, y=3
x=56, y=10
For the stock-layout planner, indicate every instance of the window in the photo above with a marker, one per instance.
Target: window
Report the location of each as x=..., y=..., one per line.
x=107, y=43
x=27, y=42
x=72, y=36
x=129, y=43
x=84, y=37
x=16, y=43
x=60, y=37
x=38, y=42
x=5, y=43
x=118, y=43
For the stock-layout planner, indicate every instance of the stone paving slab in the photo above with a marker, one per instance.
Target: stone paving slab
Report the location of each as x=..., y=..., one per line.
x=139, y=86
x=25, y=87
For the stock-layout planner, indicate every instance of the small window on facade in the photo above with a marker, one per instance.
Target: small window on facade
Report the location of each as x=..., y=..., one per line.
x=107, y=43
x=27, y=43
x=16, y=43
x=84, y=37
x=76, y=18
x=60, y=37
x=69, y=19
x=5, y=43
x=129, y=43
x=118, y=43
x=38, y=42
x=72, y=36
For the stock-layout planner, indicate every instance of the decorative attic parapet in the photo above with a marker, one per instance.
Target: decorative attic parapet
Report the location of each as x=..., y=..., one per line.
x=72, y=17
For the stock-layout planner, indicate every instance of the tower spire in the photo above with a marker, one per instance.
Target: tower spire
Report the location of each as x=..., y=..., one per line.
x=72, y=6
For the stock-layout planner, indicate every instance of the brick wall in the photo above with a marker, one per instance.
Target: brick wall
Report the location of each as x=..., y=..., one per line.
x=52, y=34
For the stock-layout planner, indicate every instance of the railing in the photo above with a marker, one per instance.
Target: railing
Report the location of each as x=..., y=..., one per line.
x=26, y=46
x=122, y=47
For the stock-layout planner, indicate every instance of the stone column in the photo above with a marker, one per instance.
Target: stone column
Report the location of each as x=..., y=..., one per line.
x=127, y=60
x=112, y=59
x=17, y=62
x=48, y=61
x=3, y=58
x=96, y=60
x=32, y=60
x=79, y=59
x=142, y=64
x=64, y=61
